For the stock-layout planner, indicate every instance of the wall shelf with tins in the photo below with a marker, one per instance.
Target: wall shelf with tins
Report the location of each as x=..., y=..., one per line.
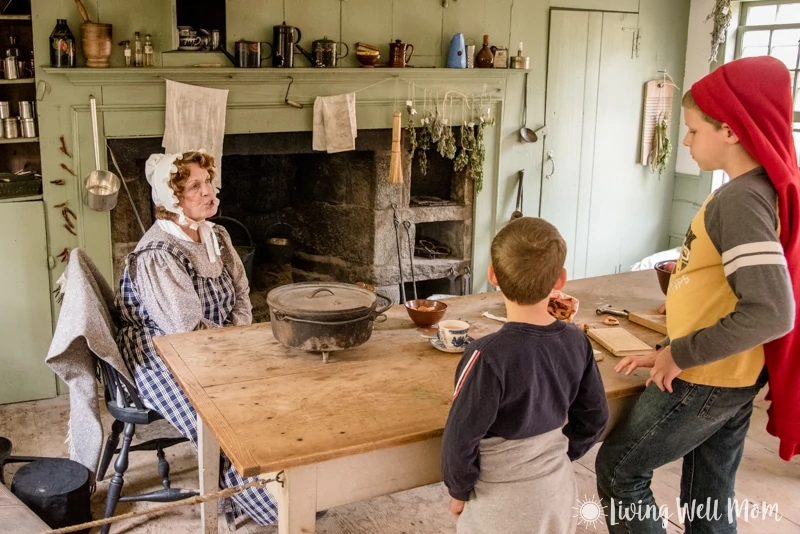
x=18, y=81
x=18, y=140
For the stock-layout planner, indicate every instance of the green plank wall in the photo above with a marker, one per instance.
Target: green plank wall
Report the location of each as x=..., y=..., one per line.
x=424, y=23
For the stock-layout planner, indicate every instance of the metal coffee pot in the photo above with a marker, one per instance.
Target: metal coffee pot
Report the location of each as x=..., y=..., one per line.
x=248, y=53
x=325, y=52
x=283, y=42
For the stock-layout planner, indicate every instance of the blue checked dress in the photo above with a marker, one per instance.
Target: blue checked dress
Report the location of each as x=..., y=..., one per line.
x=158, y=388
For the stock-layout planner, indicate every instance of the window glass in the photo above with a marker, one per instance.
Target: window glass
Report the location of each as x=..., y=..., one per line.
x=788, y=14
x=761, y=15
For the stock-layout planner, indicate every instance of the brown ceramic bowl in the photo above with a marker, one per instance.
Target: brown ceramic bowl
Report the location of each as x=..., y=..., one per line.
x=425, y=317
x=664, y=271
x=368, y=60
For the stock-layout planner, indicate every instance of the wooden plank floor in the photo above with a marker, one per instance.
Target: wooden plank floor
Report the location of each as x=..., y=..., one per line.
x=38, y=429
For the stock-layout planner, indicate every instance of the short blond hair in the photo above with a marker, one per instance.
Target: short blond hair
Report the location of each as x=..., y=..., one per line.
x=177, y=180
x=528, y=256
x=688, y=101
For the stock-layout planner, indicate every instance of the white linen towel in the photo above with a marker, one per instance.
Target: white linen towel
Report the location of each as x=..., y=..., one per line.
x=335, y=127
x=195, y=120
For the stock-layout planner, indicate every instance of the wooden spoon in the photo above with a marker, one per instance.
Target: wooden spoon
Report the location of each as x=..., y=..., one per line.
x=82, y=10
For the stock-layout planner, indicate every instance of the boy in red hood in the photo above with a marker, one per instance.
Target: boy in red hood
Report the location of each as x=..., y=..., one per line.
x=731, y=311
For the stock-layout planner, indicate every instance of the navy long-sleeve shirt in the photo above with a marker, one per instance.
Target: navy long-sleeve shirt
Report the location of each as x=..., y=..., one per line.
x=522, y=381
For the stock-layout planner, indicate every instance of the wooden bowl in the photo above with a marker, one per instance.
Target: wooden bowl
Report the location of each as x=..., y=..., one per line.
x=425, y=317
x=664, y=272
x=368, y=60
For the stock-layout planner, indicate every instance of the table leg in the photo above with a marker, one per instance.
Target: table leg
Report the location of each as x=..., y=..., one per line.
x=297, y=500
x=208, y=467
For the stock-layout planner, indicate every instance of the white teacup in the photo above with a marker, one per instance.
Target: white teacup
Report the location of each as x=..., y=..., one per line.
x=453, y=333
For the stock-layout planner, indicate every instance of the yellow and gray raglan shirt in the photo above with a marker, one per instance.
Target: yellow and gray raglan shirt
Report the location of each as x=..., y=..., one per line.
x=730, y=292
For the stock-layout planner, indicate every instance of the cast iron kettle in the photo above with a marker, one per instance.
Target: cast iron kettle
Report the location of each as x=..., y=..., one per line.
x=283, y=42
x=324, y=316
x=325, y=52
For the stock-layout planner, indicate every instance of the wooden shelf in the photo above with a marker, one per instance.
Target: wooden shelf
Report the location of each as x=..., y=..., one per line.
x=20, y=80
x=28, y=198
x=14, y=18
x=18, y=140
x=270, y=75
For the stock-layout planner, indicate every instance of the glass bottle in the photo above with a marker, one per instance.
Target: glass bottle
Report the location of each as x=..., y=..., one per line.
x=149, y=53
x=484, y=59
x=12, y=50
x=127, y=52
x=62, y=46
x=138, y=59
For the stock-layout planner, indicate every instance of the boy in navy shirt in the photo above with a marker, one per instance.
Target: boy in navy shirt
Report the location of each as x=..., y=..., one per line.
x=506, y=454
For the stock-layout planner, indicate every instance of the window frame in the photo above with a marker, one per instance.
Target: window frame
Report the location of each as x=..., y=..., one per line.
x=743, y=28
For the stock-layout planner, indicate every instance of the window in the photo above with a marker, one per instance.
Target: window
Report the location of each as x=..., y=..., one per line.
x=773, y=29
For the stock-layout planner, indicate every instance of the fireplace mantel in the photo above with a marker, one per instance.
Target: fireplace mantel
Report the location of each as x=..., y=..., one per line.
x=494, y=78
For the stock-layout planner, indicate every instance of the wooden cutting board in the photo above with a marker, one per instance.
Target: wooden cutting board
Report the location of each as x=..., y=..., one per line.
x=653, y=321
x=619, y=341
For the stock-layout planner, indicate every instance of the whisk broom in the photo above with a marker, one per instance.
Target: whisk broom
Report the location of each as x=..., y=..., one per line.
x=396, y=164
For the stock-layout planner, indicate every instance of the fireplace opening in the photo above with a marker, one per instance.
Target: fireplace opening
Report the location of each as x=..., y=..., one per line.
x=435, y=187
x=333, y=212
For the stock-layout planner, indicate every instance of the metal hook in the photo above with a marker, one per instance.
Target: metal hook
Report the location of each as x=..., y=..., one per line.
x=286, y=98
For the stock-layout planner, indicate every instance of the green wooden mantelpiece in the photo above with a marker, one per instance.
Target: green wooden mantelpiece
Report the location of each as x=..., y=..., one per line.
x=217, y=75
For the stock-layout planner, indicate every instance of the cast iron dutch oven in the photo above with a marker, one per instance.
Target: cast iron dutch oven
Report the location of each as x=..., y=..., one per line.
x=324, y=316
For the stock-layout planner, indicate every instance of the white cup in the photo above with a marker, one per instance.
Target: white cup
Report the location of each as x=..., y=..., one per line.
x=453, y=333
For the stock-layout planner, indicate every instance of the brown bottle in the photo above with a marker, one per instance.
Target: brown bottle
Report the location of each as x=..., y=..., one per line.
x=484, y=58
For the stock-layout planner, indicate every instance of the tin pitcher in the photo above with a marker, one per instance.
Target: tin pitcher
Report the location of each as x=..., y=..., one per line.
x=399, y=53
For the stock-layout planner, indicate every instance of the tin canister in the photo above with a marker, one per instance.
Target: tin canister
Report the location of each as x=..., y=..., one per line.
x=10, y=128
x=470, y=51
x=27, y=127
x=520, y=62
x=26, y=109
x=5, y=112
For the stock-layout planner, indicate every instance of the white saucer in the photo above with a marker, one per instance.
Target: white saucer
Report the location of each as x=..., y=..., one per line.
x=437, y=343
x=190, y=48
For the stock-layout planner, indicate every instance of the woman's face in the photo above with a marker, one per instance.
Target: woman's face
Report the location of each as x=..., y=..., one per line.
x=199, y=199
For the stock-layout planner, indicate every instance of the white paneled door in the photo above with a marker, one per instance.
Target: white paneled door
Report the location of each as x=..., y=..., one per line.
x=592, y=109
x=25, y=319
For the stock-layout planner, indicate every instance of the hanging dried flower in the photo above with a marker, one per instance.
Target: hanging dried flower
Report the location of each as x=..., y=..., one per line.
x=722, y=18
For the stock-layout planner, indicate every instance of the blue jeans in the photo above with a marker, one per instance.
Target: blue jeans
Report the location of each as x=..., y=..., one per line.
x=705, y=426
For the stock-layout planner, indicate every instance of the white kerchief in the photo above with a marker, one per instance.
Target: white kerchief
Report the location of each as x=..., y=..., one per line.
x=158, y=169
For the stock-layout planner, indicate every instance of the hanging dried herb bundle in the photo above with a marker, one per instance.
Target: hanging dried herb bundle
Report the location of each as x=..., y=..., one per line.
x=410, y=130
x=721, y=15
x=662, y=148
x=467, y=145
x=477, y=157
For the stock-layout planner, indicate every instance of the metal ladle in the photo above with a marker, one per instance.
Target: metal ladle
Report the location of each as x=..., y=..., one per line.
x=517, y=213
x=100, y=187
x=527, y=135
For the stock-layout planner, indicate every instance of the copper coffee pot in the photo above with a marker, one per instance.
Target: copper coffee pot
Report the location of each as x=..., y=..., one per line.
x=399, y=53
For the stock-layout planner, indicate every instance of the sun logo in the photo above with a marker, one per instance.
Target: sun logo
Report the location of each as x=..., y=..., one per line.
x=589, y=511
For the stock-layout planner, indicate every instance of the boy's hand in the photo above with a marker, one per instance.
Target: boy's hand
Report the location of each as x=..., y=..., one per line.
x=634, y=362
x=456, y=507
x=664, y=370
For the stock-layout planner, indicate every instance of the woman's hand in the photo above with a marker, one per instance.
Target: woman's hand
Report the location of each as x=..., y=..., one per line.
x=664, y=371
x=456, y=507
x=634, y=362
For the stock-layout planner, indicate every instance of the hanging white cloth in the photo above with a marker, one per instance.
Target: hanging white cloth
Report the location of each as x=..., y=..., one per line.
x=335, y=127
x=195, y=118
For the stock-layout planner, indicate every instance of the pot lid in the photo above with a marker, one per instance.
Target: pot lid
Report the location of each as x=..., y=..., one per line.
x=321, y=297
x=325, y=40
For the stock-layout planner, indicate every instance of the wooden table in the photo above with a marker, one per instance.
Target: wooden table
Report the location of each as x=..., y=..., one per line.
x=367, y=423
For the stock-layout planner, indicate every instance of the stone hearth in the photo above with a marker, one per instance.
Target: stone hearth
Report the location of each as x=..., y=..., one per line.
x=335, y=208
